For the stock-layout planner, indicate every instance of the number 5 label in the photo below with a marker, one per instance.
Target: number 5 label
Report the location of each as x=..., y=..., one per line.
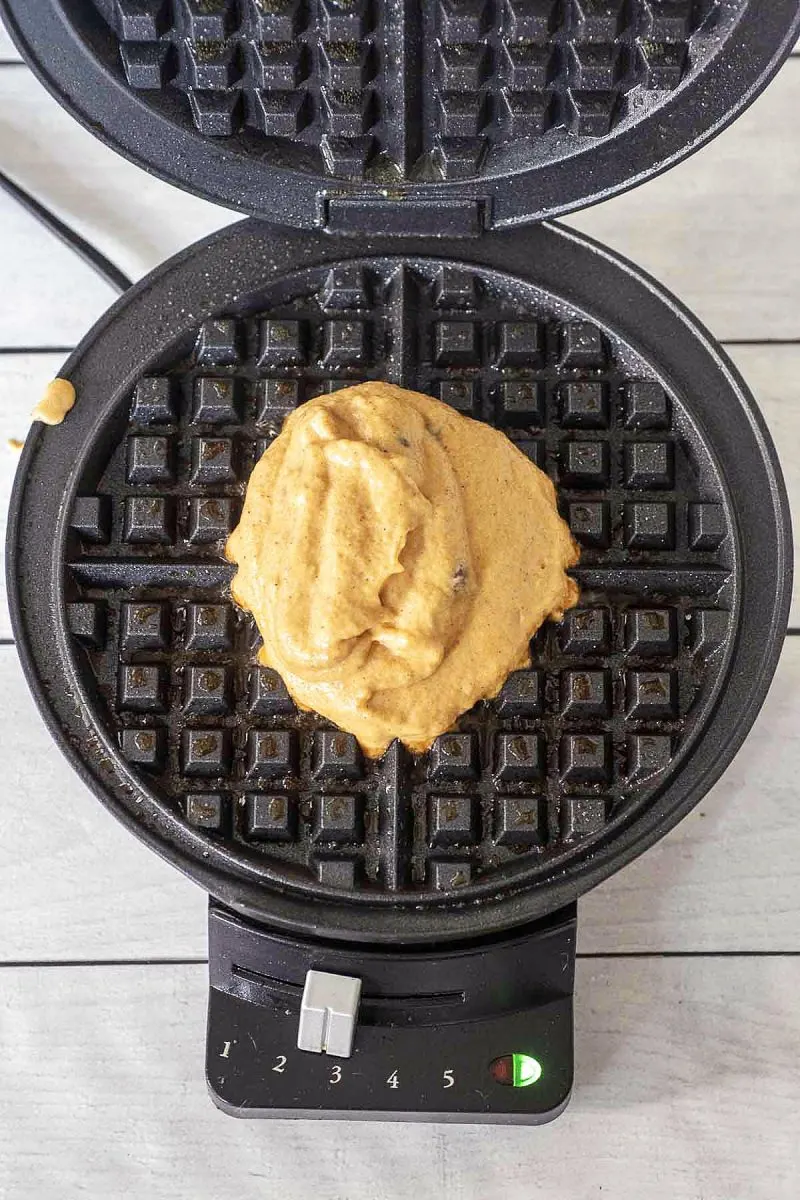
x=448, y=1078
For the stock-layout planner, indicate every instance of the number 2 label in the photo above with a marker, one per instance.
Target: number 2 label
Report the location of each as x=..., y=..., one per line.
x=393, y=1081
x=280, y=1064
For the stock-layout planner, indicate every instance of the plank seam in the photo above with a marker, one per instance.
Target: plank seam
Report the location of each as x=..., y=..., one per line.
x=593, y=956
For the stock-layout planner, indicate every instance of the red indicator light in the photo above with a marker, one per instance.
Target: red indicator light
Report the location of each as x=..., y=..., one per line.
x=502, y=1070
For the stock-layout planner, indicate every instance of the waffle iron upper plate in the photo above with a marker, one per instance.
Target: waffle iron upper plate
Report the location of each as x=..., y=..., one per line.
x=422, y=118
x=633, y=706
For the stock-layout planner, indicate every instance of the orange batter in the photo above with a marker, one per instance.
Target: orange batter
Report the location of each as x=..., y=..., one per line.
x=397, y=557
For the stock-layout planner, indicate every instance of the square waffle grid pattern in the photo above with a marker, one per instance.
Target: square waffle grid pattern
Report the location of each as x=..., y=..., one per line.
x=521, y=69
x=566, y=747
x=367, y=89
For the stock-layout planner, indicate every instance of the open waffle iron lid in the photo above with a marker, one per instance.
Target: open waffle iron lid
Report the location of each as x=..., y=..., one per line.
x=382, y=116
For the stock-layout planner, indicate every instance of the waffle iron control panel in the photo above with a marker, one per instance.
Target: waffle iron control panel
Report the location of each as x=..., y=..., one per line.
x=328, y=1044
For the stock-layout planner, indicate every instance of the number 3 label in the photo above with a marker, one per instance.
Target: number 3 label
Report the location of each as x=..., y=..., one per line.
x=393, y=1081
x=336, y=1074
x=448, y=1078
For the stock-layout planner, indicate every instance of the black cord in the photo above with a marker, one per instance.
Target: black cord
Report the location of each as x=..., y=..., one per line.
x=97, y=261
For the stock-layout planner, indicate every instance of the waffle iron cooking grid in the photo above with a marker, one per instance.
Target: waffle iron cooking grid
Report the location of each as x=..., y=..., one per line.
x=532, y=793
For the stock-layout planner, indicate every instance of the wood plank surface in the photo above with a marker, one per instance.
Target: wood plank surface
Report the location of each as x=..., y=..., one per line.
x=133, y=218
x=8, y=51
x=23, y=378
x=773, y=375
x=687, y=1088
x=77, y=886
x=721, y=229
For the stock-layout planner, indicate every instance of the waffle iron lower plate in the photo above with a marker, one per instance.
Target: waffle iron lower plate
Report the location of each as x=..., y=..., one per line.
x=633, y=706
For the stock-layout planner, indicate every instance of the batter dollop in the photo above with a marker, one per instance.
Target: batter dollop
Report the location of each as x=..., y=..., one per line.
x=397, y=557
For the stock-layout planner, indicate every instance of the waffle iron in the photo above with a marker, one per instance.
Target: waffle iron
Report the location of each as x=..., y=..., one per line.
x=411, y=919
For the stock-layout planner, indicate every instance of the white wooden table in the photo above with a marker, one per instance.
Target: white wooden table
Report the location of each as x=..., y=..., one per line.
x=688, y=1017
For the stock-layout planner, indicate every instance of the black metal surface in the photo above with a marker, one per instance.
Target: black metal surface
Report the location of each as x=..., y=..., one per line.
x=430, y=1024
x=420, y=988
x=146, y=672
x=467, y=112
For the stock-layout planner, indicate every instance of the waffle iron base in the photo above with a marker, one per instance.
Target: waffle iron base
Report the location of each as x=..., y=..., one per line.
x=632, y=707
x=439, y=1028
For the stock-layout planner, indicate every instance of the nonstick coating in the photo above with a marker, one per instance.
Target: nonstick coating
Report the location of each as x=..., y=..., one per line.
x=469, y=113
x=146, y=672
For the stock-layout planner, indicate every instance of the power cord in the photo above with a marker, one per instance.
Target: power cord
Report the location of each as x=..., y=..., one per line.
x=97, y=261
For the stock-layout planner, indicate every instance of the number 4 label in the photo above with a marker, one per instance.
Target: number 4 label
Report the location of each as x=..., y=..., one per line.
x=393, y=1081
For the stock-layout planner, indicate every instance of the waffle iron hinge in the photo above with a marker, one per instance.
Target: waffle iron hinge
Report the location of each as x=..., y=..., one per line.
x=397, y=214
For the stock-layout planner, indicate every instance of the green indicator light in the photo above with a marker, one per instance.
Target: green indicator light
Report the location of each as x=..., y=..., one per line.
x=526, y=1070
